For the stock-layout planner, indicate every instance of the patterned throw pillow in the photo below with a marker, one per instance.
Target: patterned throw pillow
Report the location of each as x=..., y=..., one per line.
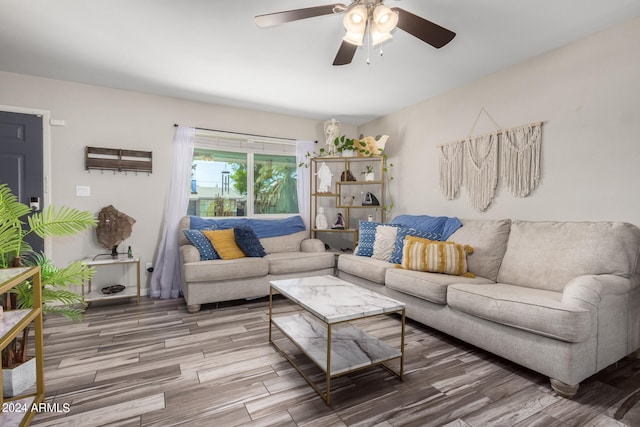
x=385, y=242
x=201, y=243
x=224, y=242
x=396, y=257
x=248, y=242
x=366, y=238
x=436, y=257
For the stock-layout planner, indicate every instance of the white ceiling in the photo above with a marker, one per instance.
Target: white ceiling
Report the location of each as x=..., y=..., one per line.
x=211, y=50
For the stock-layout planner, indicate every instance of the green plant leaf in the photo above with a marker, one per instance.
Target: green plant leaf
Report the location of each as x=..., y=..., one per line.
x=65, y=222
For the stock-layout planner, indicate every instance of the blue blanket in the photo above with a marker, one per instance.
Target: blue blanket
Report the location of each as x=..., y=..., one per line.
x=262, y=227
x=442, y=225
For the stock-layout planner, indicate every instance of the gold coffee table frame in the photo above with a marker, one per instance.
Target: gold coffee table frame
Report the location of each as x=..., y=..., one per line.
x=334, y=329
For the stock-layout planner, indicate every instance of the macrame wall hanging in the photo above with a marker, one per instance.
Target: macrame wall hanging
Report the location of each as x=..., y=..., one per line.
x=481, y=170
x=476, y=160
x=450, y=169
x=520, y=159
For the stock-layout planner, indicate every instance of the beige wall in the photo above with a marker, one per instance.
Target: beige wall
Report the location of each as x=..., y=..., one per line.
x=102, y=117
x=588, y=96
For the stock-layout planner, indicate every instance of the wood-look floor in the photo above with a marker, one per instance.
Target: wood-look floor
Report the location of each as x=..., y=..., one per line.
x=157, y=365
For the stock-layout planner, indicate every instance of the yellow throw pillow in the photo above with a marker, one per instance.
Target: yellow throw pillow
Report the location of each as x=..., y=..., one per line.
x=436, y=257
x=224, y=242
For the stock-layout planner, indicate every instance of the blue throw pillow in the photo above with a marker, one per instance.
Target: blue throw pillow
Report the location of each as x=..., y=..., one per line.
x=366, y=238
x=248, y=242
x=396, y=256
x=201, y=243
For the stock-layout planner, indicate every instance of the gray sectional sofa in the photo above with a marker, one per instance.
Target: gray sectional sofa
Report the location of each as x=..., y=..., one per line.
x=287, y=256
x=560, y=298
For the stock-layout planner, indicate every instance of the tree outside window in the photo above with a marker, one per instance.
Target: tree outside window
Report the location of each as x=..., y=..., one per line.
x=271, y=188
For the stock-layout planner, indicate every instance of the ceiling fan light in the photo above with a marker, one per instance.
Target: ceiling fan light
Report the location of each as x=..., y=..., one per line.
x=378, y=37
x=355, y=20
x=384, y=18
x=354, y=38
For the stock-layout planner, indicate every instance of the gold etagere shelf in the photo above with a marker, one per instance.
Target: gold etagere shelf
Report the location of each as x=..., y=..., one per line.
x=345, y=196
x=12, y=324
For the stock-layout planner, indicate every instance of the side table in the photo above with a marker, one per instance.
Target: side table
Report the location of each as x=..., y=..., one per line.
x=129, y=291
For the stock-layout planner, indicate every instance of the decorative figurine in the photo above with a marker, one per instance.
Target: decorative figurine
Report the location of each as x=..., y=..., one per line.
x=339, y=223
x=348, y=200
x=113, y=228
x=321, y=220
x=332, y=131
x=324, y=175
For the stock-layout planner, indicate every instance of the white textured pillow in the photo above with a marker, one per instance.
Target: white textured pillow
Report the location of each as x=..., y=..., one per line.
x=385, y=242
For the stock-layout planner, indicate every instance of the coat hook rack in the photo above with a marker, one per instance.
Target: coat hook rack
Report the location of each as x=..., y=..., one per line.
x=118, y=160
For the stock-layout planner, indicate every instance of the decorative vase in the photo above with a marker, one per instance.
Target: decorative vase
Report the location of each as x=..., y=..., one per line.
x=347, y=153
x=16, y=380
x=369, y=176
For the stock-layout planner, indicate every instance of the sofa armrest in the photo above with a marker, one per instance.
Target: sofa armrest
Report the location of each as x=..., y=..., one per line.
x=189, y=253
x=312, y=245
x=588, y=291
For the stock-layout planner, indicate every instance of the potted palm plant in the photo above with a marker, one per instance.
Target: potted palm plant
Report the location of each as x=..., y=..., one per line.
x=15, y=251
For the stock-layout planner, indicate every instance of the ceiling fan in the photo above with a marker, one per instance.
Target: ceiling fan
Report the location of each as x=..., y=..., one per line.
x=362, y=16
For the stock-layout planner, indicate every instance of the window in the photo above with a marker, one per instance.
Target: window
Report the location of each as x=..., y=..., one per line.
x=242, y=177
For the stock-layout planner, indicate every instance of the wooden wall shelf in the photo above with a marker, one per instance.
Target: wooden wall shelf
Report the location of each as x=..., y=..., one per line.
x=118, y=160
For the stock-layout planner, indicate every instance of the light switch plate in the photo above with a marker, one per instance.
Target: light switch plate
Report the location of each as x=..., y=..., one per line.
x=83, y=191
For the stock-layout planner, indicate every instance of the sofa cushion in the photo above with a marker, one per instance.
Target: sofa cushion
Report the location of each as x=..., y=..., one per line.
x=534, y=310
x=429, y=286
x=202, y=244
x=238, y=268
x=489, y=241
x=385, y=242
x=224, y=242
x=248, y=242
x=368, y=268
x=288, y=243
x=436, y=257
x=547, y=255
x=297, y=262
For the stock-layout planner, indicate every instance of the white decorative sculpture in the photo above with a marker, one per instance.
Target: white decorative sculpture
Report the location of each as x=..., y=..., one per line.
x=324, y=175
x=321, y=220
x=332, y=131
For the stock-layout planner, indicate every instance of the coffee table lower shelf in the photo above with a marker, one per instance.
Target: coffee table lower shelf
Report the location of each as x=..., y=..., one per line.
x=337, y=349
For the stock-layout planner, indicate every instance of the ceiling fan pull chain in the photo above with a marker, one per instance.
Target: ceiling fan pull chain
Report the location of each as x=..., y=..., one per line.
x=368, y=40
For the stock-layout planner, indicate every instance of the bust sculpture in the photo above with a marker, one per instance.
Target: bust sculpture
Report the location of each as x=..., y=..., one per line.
x=321, y=220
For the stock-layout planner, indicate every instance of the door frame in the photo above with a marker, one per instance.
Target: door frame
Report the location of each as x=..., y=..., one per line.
x=45, y=115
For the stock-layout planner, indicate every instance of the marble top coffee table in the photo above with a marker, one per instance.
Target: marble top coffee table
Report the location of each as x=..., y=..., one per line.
x=323, y=331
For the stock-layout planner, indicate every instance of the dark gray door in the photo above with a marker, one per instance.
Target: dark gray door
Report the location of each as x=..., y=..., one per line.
x=21, y=160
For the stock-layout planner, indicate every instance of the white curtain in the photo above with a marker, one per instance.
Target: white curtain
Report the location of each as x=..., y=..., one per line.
x=165, y=282
x=304, y=179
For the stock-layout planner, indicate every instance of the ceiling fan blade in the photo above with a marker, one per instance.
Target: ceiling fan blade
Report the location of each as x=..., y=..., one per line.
x=345, y=53
x=271, y=19
x=426, y=31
